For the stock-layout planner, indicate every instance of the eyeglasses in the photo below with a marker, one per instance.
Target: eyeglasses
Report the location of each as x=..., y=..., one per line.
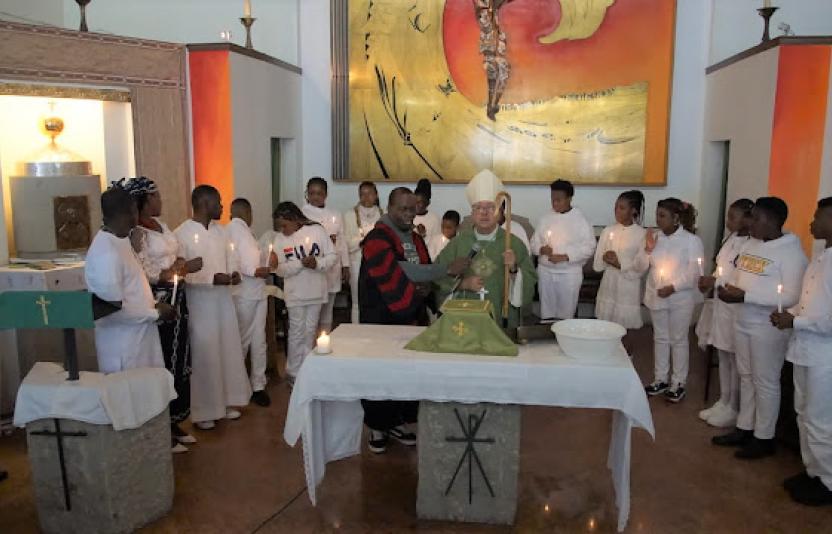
x=484, y=208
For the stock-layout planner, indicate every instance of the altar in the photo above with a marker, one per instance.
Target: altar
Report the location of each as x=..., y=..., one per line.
x=370, y=362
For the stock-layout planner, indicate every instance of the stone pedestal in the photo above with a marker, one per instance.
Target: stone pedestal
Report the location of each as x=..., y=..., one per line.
x=118, y=481
x=468, y=462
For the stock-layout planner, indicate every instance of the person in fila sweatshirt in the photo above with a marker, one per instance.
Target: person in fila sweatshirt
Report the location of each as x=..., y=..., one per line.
x=768, y=274
x=305, y=252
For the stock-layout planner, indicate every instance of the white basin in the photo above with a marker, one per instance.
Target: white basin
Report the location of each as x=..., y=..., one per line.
x=590, y=339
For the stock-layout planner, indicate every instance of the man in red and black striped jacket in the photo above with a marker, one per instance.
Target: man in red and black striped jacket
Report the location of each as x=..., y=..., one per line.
x=393, y=287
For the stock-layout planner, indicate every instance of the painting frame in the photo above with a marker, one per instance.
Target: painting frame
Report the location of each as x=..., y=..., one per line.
x=341, y=102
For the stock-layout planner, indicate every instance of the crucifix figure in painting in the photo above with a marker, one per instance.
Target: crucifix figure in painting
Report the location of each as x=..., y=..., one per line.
x=493, y=50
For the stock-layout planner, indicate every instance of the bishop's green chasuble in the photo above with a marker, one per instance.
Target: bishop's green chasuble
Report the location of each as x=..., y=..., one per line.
x=488, y=263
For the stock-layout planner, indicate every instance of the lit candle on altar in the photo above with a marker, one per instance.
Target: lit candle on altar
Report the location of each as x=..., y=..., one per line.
x=779, y=298
x=247, y=8
x=701, y=267
x=323, y=344
x=175, y=285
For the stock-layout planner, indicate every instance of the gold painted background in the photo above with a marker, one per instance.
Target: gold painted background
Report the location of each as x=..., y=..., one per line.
x=407, y=121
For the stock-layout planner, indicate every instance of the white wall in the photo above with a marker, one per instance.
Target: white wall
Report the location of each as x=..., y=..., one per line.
x=182, y=21
x=737, y=26
x=686, y=130
x=264, y=104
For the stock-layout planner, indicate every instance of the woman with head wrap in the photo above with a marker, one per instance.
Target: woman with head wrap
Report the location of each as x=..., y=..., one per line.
x=158, y=252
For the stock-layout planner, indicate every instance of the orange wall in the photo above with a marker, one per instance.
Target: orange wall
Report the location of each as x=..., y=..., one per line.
x=210, y=79
x=798, y=132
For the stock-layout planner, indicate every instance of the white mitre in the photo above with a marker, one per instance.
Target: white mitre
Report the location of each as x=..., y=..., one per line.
x=483, y=187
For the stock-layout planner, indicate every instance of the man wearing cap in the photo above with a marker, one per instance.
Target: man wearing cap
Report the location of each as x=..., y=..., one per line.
x=486, y=242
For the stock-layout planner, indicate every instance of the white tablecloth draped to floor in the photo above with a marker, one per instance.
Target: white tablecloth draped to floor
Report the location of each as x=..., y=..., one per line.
x=370, y=362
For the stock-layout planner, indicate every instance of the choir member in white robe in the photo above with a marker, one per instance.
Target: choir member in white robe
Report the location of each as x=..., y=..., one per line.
x=127, y=338
x=357, y=223
x=315, y=209
x=250, y=298
x=219, y=378
x=720, y=332
x=810, y=351
x=563, y=240
x=619, y=297
x=426, y=223
x=769, y=274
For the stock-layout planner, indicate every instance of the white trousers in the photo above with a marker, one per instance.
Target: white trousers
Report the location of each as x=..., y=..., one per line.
x=303, y=325
x=559, y=294
x=355, y=268
x=327, y=308
x=729, y=380
x=761, y=351
x=670, y=337
x=812, y=401
x=251, y=317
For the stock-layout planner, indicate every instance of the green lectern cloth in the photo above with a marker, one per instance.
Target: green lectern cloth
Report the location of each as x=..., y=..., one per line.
x=466, y=327
x=46, y=309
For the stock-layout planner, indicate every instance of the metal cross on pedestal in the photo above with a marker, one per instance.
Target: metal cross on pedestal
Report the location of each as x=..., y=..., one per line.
x=60, y=437
x=470, y=439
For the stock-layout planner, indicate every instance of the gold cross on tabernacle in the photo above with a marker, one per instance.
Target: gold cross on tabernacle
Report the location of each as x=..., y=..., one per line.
x=460, y=329
x=43, y=303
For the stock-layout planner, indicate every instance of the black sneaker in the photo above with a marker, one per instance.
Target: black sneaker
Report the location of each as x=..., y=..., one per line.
x=377, y=441
x=755, y=449
x=675, y=394
x=656, y=388
x=735, y=438
x=402, y=436
x=813, y=493
x=797, y=480
x=261, y=398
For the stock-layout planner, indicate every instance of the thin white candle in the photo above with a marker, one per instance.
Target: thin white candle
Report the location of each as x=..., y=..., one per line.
x=175, y=286
x=661, y=278
x=779, y=298
x=247, y=8
x=718, y=275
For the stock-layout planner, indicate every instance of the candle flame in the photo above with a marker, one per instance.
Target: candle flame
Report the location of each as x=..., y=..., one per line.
x=196, y=238
x=780, y=288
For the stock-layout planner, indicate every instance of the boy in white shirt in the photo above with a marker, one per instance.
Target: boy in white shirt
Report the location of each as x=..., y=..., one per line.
x=810, y=350
x=563, y=240
x=768, y=275
x=250, y=296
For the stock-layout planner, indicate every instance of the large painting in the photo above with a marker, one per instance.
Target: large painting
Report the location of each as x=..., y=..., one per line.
x=533, y=89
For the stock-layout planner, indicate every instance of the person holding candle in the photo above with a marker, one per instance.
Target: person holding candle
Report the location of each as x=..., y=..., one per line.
x=218, y=380
x=158, y=252
x=563, y=241
x=720, y=331
x=426, y=223
x=770, y=259
x=357, y=223
x=315, y=209
x=450, y=226
x=671, y=255
x=619, y=297
x=250, y=299
x=305, y=255
x=810, y=351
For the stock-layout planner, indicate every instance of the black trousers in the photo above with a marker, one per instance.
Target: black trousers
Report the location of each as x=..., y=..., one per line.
x=384, y=415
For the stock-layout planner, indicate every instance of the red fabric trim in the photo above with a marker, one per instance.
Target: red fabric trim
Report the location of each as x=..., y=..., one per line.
x=406, y=300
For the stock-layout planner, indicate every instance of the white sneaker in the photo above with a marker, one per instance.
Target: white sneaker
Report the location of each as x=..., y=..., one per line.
x=232, y=414
x=186, y=439
x=179, y=449
x=726, y=417
x=205, y=425
x=706, y=413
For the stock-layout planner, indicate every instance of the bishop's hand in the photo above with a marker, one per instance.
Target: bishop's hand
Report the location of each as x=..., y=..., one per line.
x=472, y=283
x=510, y=259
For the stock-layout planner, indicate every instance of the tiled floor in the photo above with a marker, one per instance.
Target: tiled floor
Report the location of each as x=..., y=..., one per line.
x=242, y=477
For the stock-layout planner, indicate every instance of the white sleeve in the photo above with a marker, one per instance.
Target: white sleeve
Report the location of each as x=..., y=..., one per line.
x=689, y=273
x=516, y=290
x=819, y=324
x=103, y=274
x=583, y=247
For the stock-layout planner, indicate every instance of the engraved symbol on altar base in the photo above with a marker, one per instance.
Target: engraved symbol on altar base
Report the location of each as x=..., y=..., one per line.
x=43, y=303
x=460, y=329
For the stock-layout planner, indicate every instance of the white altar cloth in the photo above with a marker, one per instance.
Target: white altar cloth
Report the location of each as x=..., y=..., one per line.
x=370, y=362
x=124, y=400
